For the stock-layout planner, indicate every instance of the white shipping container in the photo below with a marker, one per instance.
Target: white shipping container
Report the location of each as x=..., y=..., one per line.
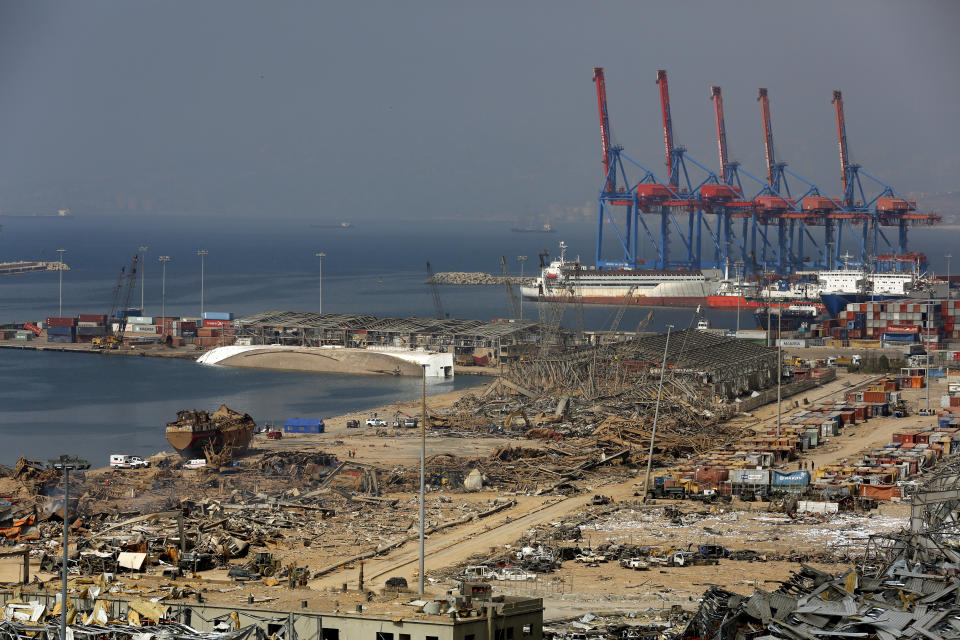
x=140, y=319
x=791, y=342
x=809, y=506
x=750, y=476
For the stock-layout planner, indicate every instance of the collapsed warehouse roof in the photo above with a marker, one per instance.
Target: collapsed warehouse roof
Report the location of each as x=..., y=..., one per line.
x=728, y=366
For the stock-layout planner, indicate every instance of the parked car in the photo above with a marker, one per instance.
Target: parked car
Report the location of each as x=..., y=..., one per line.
x=637, y=564
x=513, y=573
x=241, y=573
x=275, y=435
x=196, y=463
x=353, y=424
x=374, y=421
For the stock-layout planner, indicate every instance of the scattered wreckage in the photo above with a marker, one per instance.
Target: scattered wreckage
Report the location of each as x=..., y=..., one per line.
x=905, y=587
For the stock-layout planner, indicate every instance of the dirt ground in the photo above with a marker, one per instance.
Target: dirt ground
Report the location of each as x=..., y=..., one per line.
x=574, y=588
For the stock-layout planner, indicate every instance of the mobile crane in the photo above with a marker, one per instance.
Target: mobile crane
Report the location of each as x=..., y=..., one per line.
x=115, y=339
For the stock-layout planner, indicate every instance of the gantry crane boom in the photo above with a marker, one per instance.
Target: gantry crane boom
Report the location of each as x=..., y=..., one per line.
x=673, y=178
x=604, y=125
x=721, y=131
x=842, y=144
x=512, y=298
x=768, y=137
x=435, y=291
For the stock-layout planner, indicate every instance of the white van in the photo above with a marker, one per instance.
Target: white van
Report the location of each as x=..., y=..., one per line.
x=124, y=461
x=196, y=463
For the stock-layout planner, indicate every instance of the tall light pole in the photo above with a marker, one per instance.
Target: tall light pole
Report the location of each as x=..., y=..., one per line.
x=143, y=275
x=423, y=473
x=948, y=256
x=163, y=290
x=60, y=295
x=779, y=364
x=66, y=463
x=320, y=310
x=656, y=414
x=202, y=253
x=521, y=259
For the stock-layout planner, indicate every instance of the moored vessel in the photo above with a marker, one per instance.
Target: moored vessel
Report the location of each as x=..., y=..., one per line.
x=564, y=281
x=195, y=432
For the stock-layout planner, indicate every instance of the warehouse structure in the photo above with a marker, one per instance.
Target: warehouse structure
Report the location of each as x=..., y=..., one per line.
x=495, y=340
x=709, y=364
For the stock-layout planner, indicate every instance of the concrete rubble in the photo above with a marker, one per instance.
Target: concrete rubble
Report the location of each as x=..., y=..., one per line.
x=906, y=586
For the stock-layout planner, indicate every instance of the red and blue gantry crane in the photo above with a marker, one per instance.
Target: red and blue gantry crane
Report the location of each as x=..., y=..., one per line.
x=770, y=231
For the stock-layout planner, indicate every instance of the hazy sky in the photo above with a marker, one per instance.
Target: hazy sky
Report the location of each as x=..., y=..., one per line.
x=359, y=110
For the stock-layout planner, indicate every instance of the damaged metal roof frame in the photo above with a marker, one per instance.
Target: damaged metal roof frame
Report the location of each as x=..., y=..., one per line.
x=907, y=587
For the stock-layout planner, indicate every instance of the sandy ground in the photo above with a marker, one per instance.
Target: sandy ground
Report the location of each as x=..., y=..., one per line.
x=575, y=588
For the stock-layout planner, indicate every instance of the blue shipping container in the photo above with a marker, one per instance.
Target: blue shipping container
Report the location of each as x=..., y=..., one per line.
x=217, y=315
x=899, y=337
x=792, y=479
x=304, y=425
x=61, y=339
x=61, y=331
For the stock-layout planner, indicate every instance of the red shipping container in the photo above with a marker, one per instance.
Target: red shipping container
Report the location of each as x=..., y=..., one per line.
x=216, y=323
x=89, y=317
x=61, y=322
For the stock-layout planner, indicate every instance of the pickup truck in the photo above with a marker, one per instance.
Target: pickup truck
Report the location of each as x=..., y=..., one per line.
x=123, y=461
x=374, y=421
x=637, y=564
x=275, y=435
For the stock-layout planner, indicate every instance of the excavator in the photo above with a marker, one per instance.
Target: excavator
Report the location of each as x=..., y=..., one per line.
x=508, y=421
x=115, y=339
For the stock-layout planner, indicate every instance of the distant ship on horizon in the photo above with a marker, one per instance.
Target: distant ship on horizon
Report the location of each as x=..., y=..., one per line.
x=544, y=228
x=332, y=225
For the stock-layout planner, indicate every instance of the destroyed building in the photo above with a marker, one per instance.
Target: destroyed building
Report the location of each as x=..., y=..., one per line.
x=906, y=586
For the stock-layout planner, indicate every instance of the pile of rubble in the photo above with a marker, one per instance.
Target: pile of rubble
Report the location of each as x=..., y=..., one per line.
x=906, y=586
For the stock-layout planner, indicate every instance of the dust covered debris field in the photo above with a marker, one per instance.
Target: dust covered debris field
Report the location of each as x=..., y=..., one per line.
x=905, y=587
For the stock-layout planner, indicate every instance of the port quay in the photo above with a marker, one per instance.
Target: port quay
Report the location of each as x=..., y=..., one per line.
x=636, y=394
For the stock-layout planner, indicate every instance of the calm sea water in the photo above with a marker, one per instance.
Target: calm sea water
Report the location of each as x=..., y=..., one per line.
x=93, y=405
x=53, y=402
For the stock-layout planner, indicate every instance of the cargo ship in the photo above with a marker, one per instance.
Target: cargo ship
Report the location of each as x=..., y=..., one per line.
x=875, y=287
x=196, y=431
x=29, y=266
x=563, y=281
